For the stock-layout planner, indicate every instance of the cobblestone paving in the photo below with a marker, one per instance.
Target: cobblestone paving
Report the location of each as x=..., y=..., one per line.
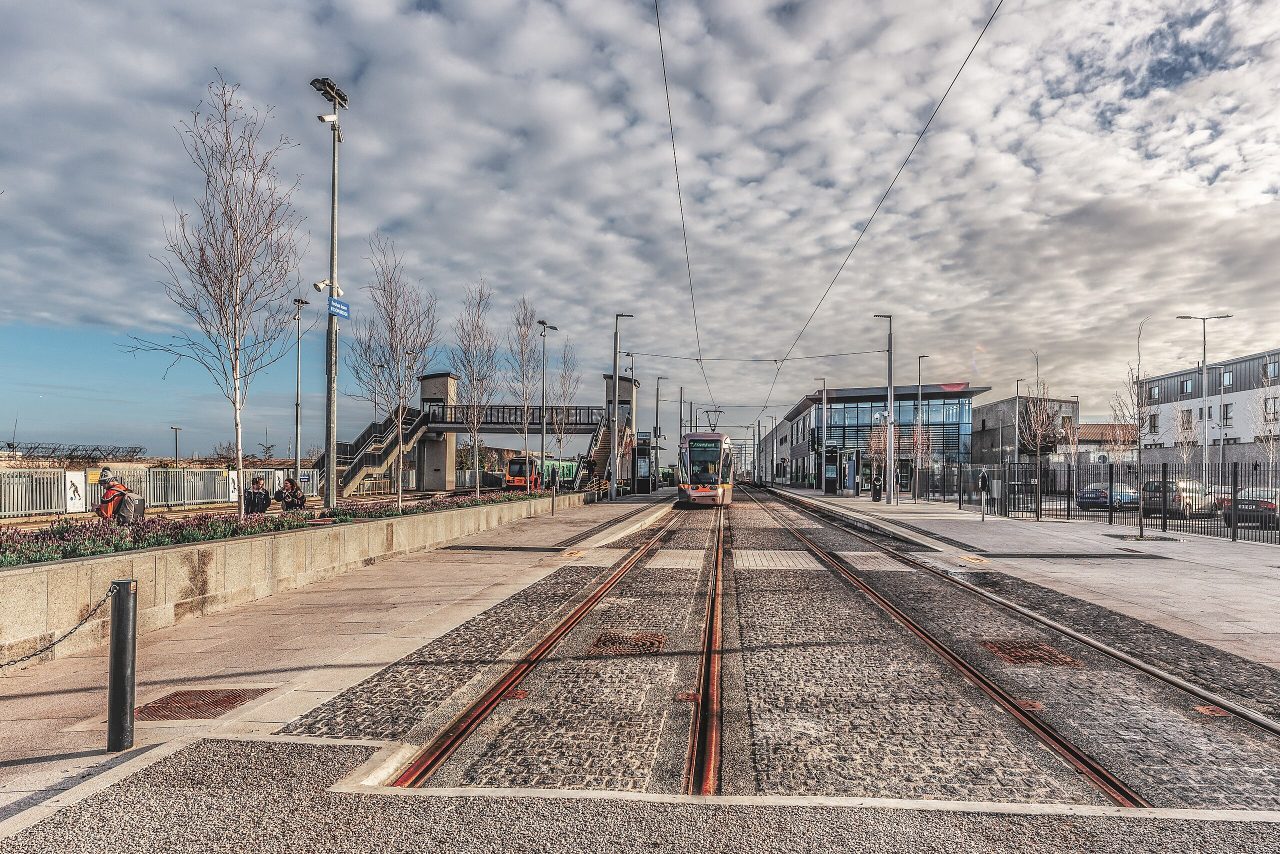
x=1252, y=684
x=266, y=798
x=840, y=700
x=587, y=719
x=391, y=702
x=1146, y=732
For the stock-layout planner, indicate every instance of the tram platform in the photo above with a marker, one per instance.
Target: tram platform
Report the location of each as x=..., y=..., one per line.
x=1222, y=593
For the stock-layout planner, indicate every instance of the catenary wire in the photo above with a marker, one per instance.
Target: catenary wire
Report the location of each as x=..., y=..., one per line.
x=879, y=204
x=733, y=359
x=684, y=229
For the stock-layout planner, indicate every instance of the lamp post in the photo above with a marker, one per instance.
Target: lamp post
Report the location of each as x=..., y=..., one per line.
x=657, y=430
x=891, y=463
x=298, y=303
x=773, y=448
x=919, y=419
x=542, y=457
x=1204, y=387
x=613, y=422
x=176, y=431
x=335, y=96
x=822, y=451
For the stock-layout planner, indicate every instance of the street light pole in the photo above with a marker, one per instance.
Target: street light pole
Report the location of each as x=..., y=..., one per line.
x=298, y=303
x=613, y=431
x=1204, y=387
x=657, y=429
x=176, y=431
x=919, y=419
x=542, y=457
x=891, y=462
x=335, y=96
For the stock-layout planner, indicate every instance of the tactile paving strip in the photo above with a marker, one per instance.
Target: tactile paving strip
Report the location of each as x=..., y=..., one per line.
x=197, y=704
x=1030, y=652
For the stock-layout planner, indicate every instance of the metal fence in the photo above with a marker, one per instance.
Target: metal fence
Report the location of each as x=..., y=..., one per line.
x=466, y=479
x=1232, y=501
x=32, y=492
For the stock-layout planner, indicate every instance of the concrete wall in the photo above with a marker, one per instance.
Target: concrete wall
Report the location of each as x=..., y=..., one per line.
x=41, y=601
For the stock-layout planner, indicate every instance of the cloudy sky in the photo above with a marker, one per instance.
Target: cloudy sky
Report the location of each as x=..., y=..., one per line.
x=1099, y=161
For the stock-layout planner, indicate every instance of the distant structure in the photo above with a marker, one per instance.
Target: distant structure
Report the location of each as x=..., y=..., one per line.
x=55, y=452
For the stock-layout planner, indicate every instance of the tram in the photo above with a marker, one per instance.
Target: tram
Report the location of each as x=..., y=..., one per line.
x=706, y=469
x=517, y=472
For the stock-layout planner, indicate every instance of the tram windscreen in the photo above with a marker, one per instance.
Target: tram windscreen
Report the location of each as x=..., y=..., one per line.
x=516, y=468
x=704, y=462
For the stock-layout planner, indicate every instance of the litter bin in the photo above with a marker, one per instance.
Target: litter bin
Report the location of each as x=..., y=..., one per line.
x=875, y=488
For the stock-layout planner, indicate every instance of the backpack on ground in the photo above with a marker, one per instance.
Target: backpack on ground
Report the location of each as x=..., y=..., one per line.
x=133, y=507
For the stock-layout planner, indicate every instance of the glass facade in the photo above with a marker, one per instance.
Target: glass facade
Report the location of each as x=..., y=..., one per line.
x=948, y=422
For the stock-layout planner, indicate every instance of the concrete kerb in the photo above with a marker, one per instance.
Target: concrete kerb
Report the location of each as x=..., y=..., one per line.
x=40, y=601
x=644, y=520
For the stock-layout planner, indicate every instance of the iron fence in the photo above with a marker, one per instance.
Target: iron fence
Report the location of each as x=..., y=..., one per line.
x=1232, y=501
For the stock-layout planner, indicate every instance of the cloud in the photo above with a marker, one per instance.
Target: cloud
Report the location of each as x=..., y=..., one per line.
x=1088, y=170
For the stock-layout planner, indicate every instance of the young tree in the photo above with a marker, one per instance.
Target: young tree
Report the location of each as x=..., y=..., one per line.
x=1132, y=406
x=878, y=446
x=524, y=363
x=475, y=361
x=1041, y=423
x=1265, y=413
x=1184, y=438
x=922, y=450
x=394, y=341
x=562, y=396
x=233, y=260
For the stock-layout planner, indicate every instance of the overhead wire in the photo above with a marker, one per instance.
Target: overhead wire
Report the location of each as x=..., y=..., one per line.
x=735, y=359
x=867, y=226
x=684, y=229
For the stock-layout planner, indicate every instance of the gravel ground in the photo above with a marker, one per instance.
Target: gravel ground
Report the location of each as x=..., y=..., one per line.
x=227, y=796
x=841, y=700
x=602, y=710
x=1240, y=679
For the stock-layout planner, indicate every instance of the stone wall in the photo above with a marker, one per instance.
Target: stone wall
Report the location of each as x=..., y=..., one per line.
x=41, y=601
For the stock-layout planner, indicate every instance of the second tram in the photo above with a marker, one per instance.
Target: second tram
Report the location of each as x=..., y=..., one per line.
x=706, y=469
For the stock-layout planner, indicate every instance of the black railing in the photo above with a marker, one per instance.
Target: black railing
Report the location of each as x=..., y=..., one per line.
x=503, y=415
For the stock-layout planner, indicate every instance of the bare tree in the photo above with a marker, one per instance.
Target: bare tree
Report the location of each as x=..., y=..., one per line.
x=1132, y=406
x=394, y=342
x=1041, y=423
x=475, y=361
x=562, y=396
x=1184, y=438
x=878, y=447
x=1266, y=415
x=922, y=449
x=524, y=362
x=234, y=259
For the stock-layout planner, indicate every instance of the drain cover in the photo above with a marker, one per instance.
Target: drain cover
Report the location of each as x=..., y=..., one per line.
x=1031, y=652
x=619, y=643
x=197, y=705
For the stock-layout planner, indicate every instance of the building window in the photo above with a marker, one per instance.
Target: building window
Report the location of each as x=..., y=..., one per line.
x=1227, y=409
x=1184, y=386
x=1271, y=409
x=1232, y=441
x=1271, y=370
x=1153, y=423
x=1186, y=419
x=1227, y=379
x=1153, y=392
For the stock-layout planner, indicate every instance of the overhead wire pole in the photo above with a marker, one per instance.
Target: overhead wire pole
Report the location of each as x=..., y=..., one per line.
x=867, y=226
x=614, y=455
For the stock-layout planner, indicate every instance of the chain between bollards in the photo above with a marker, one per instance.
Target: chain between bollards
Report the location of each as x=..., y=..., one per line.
x=120, y=679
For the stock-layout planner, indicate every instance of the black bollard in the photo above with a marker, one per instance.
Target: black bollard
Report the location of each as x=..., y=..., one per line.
x=120, y=678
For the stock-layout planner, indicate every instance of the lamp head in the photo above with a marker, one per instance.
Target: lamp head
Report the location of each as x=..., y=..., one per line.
x=300, y=302
x=327, y=119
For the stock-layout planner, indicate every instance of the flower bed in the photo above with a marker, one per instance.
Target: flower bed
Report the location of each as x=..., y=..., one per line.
x=63, y=540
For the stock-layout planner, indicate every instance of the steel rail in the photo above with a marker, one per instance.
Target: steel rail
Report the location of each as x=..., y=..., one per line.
x=583, y=536
x=1256, y=718
x=702, y=776
x=1110, y=785
x=461, y=728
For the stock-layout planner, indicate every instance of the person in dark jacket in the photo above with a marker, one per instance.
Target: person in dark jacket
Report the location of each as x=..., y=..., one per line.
x=291, y=496
x=257, y=499
x=112, y=494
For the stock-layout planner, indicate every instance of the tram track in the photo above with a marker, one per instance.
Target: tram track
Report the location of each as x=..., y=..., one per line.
x=1116, y=789
x=827, y=516
x=479, y=724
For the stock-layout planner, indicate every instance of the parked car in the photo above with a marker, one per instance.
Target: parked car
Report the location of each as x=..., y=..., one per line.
x=1187, y=498
x=1100, y=496
x=1254, y=505
x=1221, y=495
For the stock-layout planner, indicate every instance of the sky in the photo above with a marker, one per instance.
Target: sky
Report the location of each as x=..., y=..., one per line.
x=1098, y=162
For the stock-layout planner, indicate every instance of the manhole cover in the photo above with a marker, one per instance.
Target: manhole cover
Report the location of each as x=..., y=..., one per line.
x=619, y=643
x=1030, y=652
x=198, y=704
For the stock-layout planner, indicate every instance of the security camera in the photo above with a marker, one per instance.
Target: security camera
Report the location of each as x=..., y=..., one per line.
x=327, y=119
x=320, y=285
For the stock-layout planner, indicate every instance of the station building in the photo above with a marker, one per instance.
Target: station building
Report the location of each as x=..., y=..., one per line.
x=791, y=450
